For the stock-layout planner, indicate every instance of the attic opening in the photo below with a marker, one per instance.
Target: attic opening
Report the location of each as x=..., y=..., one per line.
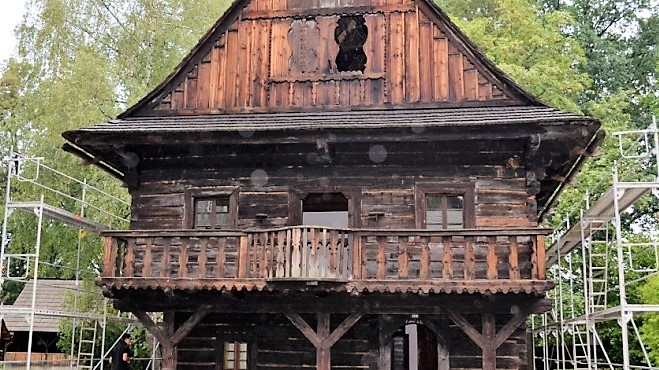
x=351, y=34
x=325, y=209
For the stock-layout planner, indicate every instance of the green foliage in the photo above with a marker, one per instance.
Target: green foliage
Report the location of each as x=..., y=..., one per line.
x=650, y=329
x=526, y=44
x=81, y=62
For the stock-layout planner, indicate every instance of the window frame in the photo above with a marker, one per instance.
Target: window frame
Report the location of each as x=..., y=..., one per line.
x=236, y=351
x=223, y=338
x=465, y=190
x=194, y=194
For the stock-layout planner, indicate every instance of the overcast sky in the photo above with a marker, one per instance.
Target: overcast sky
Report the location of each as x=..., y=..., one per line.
x=10, y=15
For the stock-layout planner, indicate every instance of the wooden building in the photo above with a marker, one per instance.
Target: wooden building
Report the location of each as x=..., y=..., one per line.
x=336, y=184
x=50, y=299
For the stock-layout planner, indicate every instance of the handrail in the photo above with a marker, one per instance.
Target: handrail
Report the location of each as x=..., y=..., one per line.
x=420, y=232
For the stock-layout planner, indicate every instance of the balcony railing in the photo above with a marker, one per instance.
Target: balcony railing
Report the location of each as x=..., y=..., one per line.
x=318, y=253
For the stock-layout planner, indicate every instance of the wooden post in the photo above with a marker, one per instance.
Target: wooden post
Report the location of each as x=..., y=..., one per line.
x=382, y=258
x=110, y=258
x=220, y=257
x=424, y=272
x=489, y=348
x=492, y=271
x=168, y=357
x=540, y=246
x=322, y=339
x=489, y=340
x=148, y=258
x=470, y=259
x=243, y=255
x=164, y=263
x=387, y=324
x=183, y=258
x=357, y=256
x=203, y=259
x=168, y=347
x=513, y=258
x=129, y=260
x=403, y=260
x=447, y=269
x=167, y=337
x=323, y=352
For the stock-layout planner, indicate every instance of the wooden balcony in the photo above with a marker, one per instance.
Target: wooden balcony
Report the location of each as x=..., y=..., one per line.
x=470, y=260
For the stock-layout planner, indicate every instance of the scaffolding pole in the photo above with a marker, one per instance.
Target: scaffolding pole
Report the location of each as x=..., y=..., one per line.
x=607, y=254
x=25, y=173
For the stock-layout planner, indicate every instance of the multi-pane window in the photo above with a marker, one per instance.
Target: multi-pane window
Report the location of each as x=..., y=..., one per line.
x=444, y=211
x=235, y=356
x=212, y=213
x=443, y=206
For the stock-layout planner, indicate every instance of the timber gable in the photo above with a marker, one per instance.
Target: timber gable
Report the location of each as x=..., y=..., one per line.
x=277, y=55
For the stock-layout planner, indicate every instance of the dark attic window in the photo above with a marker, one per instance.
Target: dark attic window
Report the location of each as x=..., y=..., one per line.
x=350, y=35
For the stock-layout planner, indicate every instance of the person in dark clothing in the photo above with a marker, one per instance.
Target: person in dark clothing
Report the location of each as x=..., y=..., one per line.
x=121, y=354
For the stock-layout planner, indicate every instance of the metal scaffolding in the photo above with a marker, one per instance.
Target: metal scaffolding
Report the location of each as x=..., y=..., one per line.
x=596, y=261
x=66, y=200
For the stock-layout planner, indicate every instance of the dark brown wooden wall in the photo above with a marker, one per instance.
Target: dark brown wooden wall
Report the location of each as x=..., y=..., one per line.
x=500, y=193
x=280, y=345
x=255, y=62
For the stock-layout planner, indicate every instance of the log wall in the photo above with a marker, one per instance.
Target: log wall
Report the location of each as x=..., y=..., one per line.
x=279, y=54
x=500, y=193
x=275, y=343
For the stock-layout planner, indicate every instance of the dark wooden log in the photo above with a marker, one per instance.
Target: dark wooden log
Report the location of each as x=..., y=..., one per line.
x=489, y=346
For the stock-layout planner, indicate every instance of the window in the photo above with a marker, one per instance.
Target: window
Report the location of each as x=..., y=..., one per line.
x=235, y=356
x=444, y=206
x=327, y=209
x=212, y=213
x=351, y=34
x=211, y=208
x=335, y=207
x=444, y=211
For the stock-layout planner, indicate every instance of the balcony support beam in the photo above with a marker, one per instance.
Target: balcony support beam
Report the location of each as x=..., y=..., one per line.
x=322, y=338
x=489, y=340
x=167, y=336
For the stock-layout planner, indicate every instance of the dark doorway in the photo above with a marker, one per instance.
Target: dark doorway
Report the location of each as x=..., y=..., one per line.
x=414, y=347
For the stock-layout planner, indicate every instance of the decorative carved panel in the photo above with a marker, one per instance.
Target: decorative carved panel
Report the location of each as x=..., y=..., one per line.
x=303, y=38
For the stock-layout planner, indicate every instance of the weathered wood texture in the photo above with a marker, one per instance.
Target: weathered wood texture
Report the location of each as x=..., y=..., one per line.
x=279, y=344
x=386, y=176
x=320, y=253
x=282, y=55
x=465, y=354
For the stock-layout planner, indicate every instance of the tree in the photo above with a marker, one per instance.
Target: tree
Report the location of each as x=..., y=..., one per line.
x=81, y=62
x=526, y=44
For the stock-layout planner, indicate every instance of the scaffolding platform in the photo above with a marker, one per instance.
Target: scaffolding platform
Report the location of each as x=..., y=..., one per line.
x=61, y=215
x=602, y=210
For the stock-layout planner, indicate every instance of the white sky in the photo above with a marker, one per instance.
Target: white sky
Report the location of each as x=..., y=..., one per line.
x=10, y=16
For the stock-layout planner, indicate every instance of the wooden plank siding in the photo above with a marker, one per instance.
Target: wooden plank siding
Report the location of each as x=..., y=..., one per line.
x=410, y=60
